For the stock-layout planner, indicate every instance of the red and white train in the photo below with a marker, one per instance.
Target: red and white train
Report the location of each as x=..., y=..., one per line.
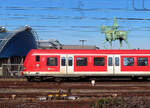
x=86, y=63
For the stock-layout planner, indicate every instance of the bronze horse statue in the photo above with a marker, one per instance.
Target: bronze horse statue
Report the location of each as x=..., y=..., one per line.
x=112, y=34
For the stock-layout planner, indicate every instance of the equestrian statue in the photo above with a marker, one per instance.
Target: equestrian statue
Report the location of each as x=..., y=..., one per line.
x=112, y=33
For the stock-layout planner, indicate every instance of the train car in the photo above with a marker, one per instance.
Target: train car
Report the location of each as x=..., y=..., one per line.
x=56, y=64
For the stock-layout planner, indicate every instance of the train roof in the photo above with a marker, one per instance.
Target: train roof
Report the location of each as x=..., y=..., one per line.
x=91, y=51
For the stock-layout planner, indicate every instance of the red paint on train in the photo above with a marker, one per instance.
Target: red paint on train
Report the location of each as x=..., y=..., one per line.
x=90, y=67
x=135, y=66
x=87, y=62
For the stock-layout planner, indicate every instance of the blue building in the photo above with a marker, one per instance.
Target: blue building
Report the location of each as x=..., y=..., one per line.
x=14, y=46
x=17, y=43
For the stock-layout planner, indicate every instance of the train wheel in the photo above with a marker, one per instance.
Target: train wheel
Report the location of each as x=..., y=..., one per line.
x=134, y=78
x=58, y=79
x=37, y=79
x=145, y=78
x=75, y=78
x=30, y=79
x=139, y=78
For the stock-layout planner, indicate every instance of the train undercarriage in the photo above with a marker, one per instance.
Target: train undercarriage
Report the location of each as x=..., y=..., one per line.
x=86, y=78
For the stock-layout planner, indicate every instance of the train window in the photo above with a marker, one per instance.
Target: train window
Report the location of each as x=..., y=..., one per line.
x=110, y=61
x=37, y=58
x=81, y=61
x=99, y=61
x=116, y=61
x=51, y=61
x=128, y=61
x=63, y=61
x=142, y=61
x=70, y=61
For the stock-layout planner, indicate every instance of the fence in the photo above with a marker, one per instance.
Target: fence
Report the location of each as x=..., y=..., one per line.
x=12, y=70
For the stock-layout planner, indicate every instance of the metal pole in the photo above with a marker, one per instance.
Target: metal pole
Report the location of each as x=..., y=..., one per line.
x=82, y=41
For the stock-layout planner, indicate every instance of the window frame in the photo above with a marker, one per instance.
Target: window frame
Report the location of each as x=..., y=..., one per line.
x=86, y=60
x=70, y=61
x=94, y=62
x=56, y=62
x=110, y=61
x=132, y=63
x=37, y=58
x=117, y=61
x=63, y=59
x=138, y=61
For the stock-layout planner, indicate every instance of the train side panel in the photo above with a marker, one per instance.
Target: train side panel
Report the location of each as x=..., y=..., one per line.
x=135, y=65
x=62, y=63
x=86, y=63
x=41, y=65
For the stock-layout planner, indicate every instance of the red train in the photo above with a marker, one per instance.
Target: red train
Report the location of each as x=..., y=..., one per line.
x=86, y=63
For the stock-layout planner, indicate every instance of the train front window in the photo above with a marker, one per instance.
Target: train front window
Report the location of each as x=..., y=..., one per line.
x=52, y=61
x=37, y=58
x=81, y=61
x=142, y=61
x=63, y=61
x=99, y=61
x=128, y=61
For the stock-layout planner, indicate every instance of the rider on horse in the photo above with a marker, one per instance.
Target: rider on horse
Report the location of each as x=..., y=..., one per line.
x=114, y=28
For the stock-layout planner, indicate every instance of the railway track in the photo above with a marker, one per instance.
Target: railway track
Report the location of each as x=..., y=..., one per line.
x=12, y=79
x=19, y=91
x=75, y=85
x=75, y=88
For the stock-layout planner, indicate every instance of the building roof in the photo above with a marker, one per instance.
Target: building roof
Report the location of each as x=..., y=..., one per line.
x=16, y=43
x=55, y=44
x=49, y=44
x=79, y=47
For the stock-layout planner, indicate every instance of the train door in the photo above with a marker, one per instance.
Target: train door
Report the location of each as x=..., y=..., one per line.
x=113, y=64
x=66, y=65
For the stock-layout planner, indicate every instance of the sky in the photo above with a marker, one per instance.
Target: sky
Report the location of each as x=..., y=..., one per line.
x=69, y=21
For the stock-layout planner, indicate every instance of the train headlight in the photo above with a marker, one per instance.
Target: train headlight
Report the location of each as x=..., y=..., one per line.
x=24, y=68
